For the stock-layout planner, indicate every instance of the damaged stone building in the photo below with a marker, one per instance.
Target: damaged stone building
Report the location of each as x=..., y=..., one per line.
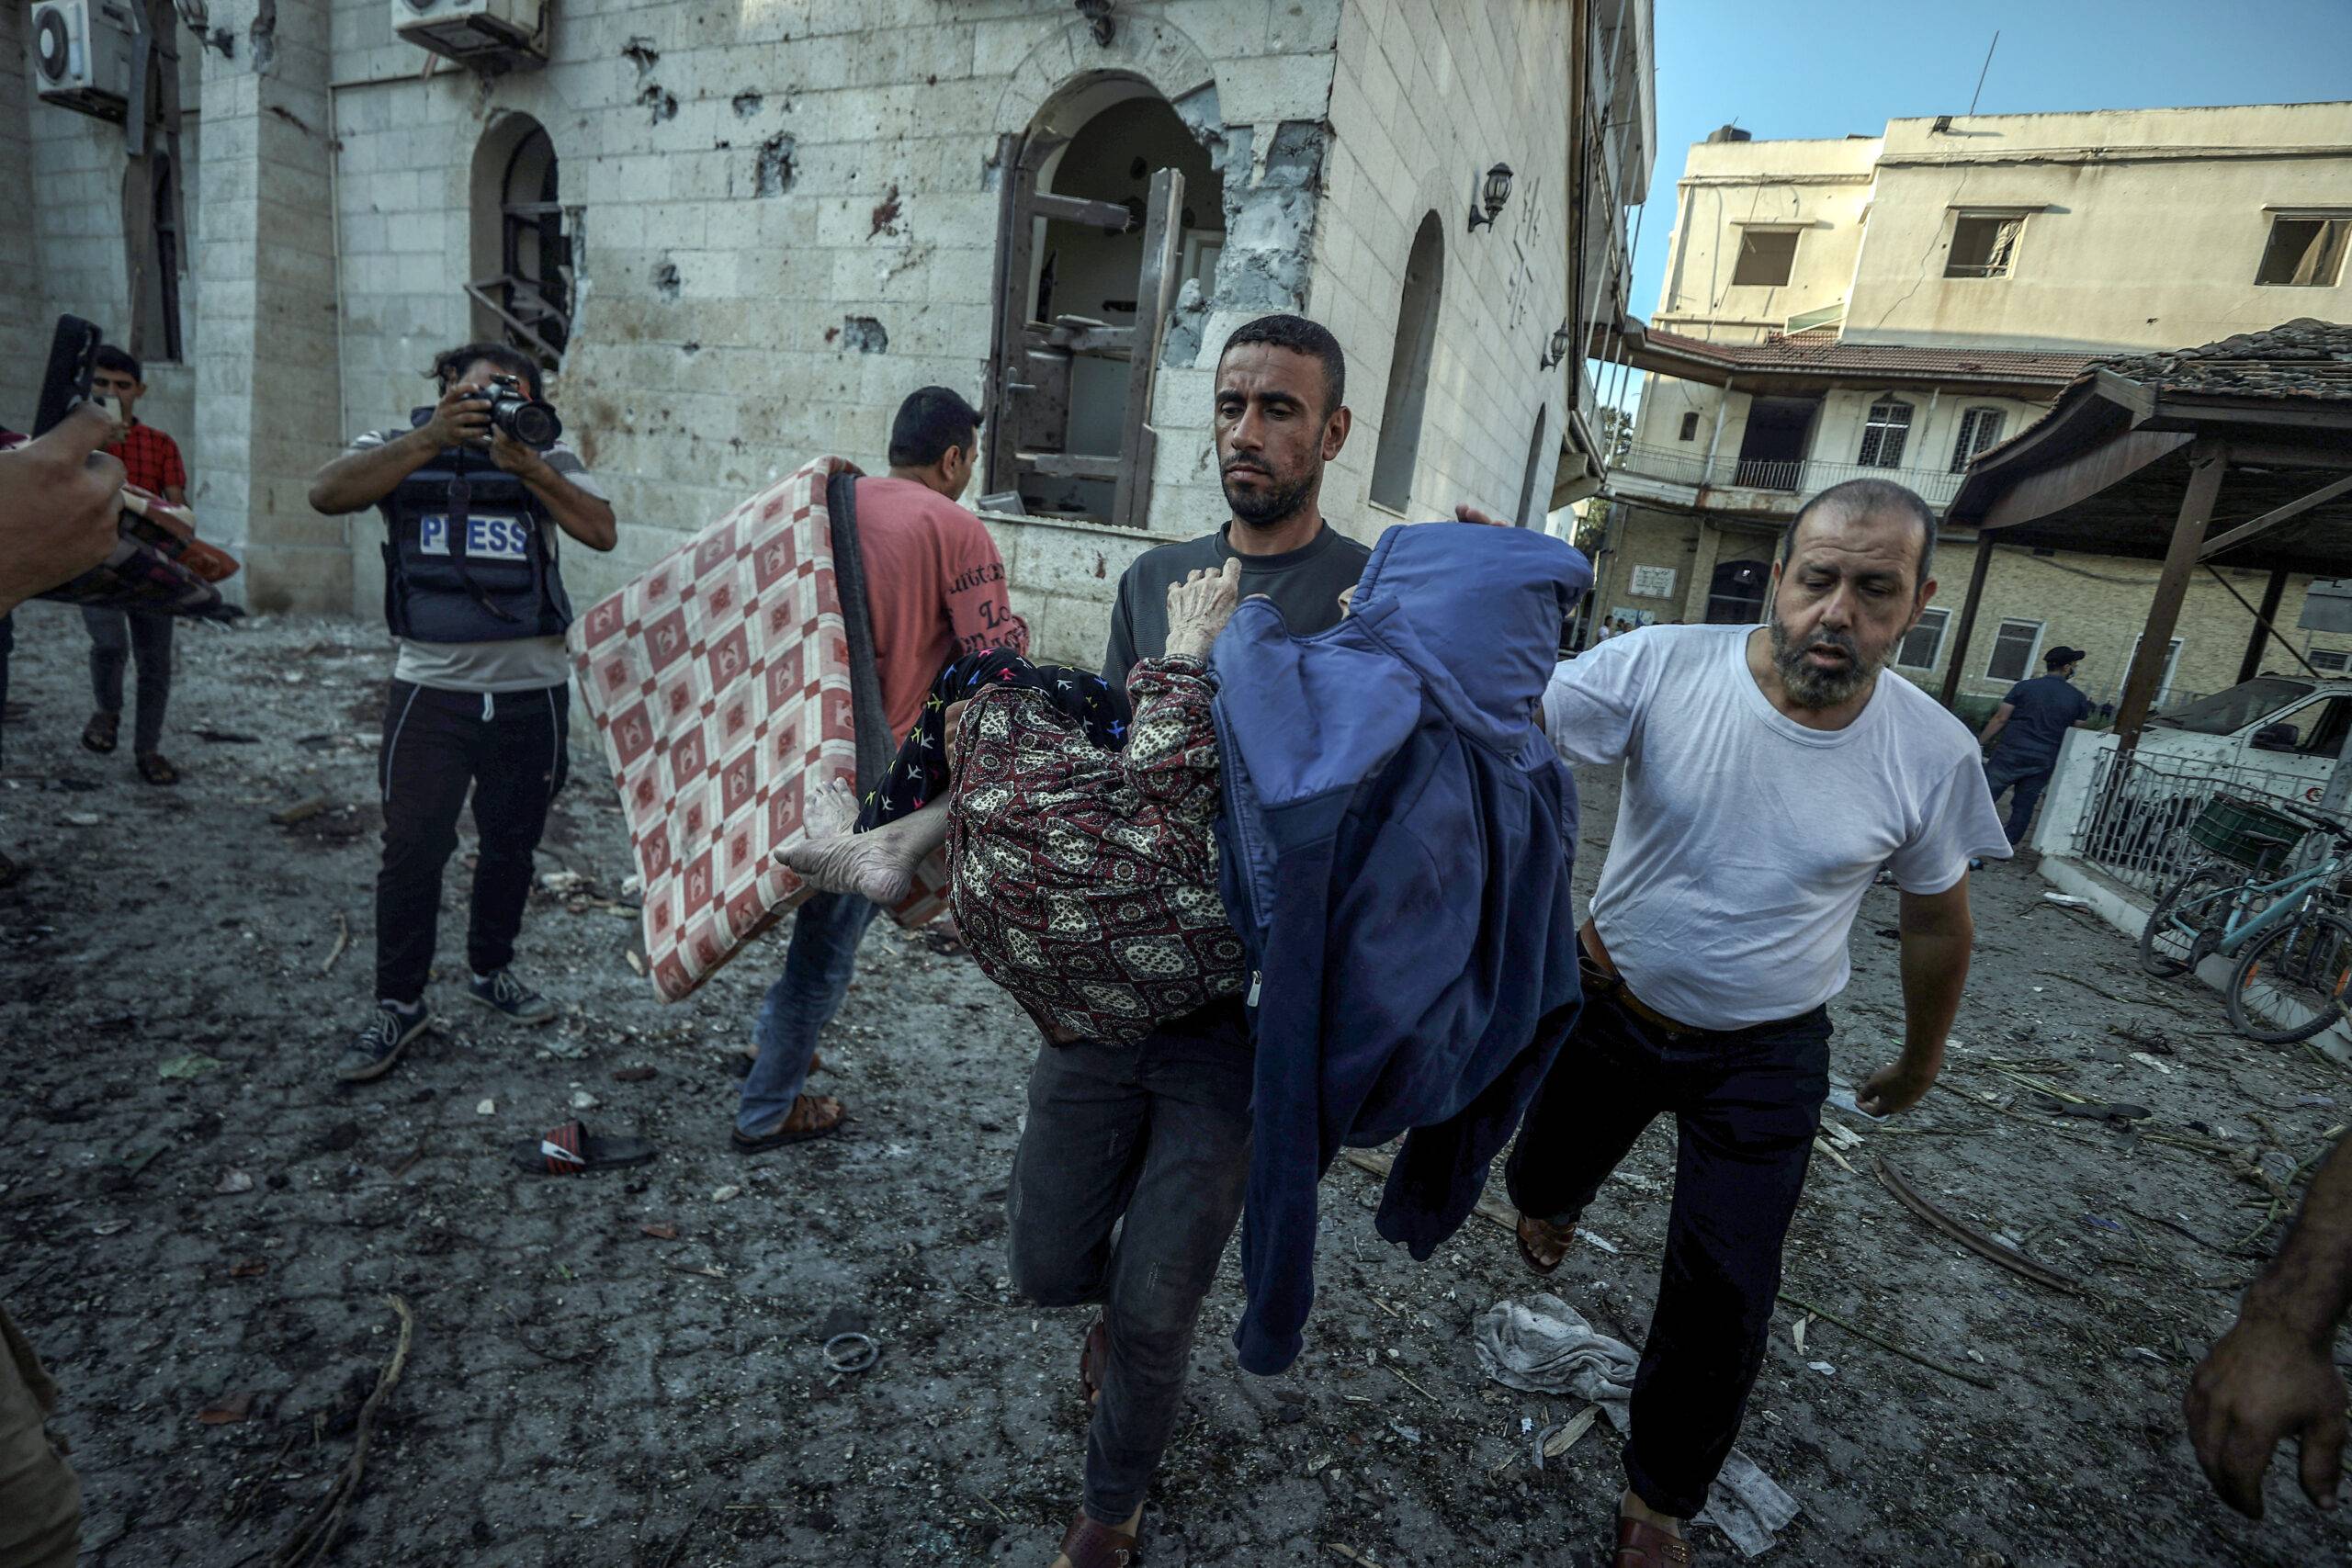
x=738, y=231
x=1894, y=305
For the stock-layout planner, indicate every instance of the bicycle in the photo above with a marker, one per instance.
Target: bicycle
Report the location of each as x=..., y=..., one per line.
x=2292, y=943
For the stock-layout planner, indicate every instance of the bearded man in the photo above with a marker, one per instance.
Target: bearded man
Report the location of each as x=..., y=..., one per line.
x=1769, y=772
x=1132, y=1164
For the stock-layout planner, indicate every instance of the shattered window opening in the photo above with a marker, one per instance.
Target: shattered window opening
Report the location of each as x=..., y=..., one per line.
x=1767, y=257
x=1982, y=245
x=2304, y=252
x=520, y=233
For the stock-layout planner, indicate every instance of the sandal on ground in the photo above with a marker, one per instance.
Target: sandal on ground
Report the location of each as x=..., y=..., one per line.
x=99, y=734
x=1094, y=1360
x=156, y=769
x=811, y=1116
x=572, y=1149
x=1091, y=1543
x=1565, y=1234
x=1641, y=1545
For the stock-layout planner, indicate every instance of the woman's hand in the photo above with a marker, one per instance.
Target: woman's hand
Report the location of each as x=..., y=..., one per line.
x=1198, y=608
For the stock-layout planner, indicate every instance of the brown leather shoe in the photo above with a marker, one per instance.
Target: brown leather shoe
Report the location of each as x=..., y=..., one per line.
x=1642, y=1545
x=1091, y=1543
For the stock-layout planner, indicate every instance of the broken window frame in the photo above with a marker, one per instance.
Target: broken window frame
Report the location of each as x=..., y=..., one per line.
x=1999, y=250
x=2003, y=641
x=533, y=304
x=2317, y=262
x=1933, y=623
x=1979, y=428
x=1764, y=259
x=1886, y=430
x=1028, y=386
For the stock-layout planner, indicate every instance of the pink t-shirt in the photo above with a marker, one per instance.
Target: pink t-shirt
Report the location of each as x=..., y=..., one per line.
x=936, y=587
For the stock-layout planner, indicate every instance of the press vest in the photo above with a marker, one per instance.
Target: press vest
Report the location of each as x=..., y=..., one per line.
x=469, y=557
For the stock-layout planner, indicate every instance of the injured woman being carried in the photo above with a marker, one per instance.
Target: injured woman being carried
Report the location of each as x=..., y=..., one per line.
x=1362, y=832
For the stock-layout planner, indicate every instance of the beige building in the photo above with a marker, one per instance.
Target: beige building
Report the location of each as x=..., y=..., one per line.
x=741, y=234
x=1892, y=305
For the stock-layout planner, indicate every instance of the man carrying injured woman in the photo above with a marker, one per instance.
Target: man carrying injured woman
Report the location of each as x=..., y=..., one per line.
x=1081, y=819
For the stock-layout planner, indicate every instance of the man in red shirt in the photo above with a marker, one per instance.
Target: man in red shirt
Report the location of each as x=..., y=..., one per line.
x=936, y=587
x=151, y=460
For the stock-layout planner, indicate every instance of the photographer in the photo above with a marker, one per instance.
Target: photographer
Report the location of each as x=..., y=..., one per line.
x=480, y=696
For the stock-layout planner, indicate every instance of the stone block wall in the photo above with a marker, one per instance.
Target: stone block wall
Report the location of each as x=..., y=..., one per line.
x=1427, y=96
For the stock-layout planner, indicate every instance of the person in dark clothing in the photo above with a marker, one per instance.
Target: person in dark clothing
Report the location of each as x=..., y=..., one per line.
x=122, y=637
x=479, y=698
x=1132, y=1165
x=2030, y=725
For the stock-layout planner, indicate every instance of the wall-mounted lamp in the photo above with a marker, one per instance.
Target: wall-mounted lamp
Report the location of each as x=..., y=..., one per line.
x=1098, y=13
x=1492, y=193
x=1560, y=342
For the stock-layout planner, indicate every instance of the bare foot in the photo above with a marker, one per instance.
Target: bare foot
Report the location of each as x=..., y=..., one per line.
x=879, y=865
x=833, y=809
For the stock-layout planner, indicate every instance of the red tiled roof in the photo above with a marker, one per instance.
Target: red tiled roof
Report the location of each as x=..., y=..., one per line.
x=1823, y=351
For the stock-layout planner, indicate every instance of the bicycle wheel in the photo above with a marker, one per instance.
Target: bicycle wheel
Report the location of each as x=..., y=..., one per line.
x=2188, y=920
x=2293, y=981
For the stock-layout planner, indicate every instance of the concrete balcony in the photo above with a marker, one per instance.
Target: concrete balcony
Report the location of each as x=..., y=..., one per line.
x=1767, y=489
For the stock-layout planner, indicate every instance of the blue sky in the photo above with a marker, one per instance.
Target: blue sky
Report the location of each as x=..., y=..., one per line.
x=1798, y=67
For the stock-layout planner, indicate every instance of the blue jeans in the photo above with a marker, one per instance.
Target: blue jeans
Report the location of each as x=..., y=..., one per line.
x=2029, y=776
x=816, y=969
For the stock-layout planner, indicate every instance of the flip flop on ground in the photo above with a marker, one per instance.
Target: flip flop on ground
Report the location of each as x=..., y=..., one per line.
x=572, y=1150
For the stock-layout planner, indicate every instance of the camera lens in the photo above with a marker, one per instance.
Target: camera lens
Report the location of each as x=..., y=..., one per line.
x=534, y=424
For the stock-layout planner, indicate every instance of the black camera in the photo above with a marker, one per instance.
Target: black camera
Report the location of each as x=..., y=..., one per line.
x=521, y=415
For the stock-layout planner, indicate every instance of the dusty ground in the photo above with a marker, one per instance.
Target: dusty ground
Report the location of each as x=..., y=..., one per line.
x=583, y=1393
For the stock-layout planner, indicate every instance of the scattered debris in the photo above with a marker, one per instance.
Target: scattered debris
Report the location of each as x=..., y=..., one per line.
x=487, y=1108
x=583, y=1100
x=301, y=811
x=341, y=941
x=2146, y=1060
x=248, y=1269
x=315, y=1538
x=193, y=1064
x=721, y=1194
x=228, y=1408
x=2065, y=901
x=660, y=1233
x=1983, y=1246
x=234, y=1181
x=1883, y=1343
x=83, y=819
x=632, y=1075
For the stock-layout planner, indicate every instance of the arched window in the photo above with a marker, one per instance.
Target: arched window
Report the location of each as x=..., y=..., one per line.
x=1884, y=433
x=1979, y=428
x=1409, y=369
x=522, y=258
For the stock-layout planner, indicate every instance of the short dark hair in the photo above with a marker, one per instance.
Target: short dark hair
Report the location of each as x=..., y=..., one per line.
x=110, y=357
x=452, y=363
x=1861, y=497
x=1300, y=337
x=932, y=420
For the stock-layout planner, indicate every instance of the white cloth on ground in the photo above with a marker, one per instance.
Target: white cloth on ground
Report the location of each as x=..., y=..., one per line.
x=1545, y=1346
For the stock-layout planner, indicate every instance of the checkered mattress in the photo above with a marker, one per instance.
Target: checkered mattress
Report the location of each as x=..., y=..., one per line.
x=720, y=682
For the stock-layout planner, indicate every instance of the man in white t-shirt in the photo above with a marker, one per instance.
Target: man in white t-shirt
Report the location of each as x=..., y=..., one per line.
x=1769, y=772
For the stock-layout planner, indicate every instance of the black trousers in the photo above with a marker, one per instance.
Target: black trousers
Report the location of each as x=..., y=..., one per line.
x=116, y=635
x=1745, y=1105
x=510, y=749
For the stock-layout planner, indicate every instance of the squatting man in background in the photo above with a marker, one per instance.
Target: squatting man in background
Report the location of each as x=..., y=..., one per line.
x=59, y=499
x=1769, y=772
x=480, y=692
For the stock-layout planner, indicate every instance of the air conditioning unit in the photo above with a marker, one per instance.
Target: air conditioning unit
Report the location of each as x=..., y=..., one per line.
x=501, y=34
x=82, y=55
